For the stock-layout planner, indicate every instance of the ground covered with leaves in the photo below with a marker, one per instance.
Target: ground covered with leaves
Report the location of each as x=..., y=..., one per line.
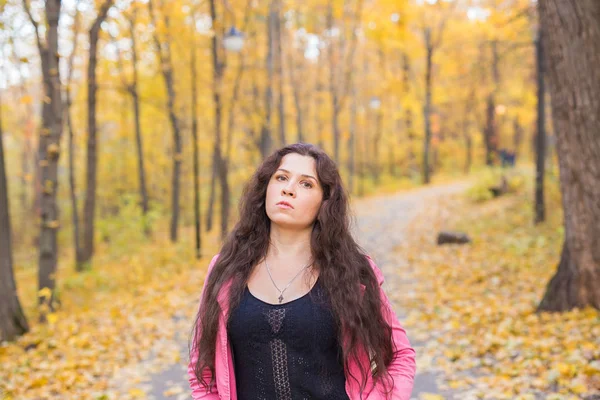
x=473, y=307
x=126, y=309
x=470, y=308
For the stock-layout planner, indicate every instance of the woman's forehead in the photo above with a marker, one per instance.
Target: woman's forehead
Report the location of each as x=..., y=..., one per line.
x=298, y=164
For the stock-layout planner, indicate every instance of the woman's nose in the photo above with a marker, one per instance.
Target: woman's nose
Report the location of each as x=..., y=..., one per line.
x=288, y=190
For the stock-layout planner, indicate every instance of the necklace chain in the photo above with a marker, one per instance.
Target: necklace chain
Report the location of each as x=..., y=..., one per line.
x=280, y=298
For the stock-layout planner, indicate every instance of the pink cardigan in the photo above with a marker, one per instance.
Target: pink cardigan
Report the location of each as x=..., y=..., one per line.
x=402, y=369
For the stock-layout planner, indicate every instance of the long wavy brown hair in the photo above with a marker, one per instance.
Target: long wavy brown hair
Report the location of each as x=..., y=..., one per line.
x=340, y=261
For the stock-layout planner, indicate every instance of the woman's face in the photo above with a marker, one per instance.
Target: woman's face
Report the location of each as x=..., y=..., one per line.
x=295, y=182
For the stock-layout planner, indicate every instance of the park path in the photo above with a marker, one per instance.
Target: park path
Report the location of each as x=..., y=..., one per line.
x=380, y=226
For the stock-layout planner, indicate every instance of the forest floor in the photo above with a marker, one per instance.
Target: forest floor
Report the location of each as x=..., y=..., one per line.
x=469, y=311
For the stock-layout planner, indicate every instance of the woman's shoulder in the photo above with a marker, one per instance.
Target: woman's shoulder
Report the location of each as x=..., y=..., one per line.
x=376, y=270
x=213, y=261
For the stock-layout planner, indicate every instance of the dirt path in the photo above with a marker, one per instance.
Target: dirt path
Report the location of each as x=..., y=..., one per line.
x=380, y=225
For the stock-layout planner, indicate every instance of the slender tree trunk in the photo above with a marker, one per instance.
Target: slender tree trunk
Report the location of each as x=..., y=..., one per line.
x=12, y=319
x=333, y=88
x=279, y=68
x=73, y=189
x=491, y=136
x=133, y=90
x=352, y=141
x=220, y=163
x=571, y=41
x=296, y=74
x=489, y=130
x=92, y=150
x=319, y=89
x=72, y=185
x=212, y=195
x=48, y=154
x=225, y=197
x=408, y=113
x=376, y=145
x=517, y=136
x=196, y=163
x=164, y=54
x=469, y=152
x=299, y=115
x=266, y=135
x=427, y=108
x=540, y=138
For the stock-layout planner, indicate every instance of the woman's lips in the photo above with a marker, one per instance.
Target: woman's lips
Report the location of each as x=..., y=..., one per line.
x=284, y=206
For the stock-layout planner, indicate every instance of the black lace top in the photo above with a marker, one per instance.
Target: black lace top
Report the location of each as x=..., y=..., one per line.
x=286, y=351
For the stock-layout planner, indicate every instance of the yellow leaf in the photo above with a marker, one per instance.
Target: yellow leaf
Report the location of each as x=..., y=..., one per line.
x=53, y=224
x=137, y=392
x=52, y=318
x=26, y=99
x=45, y=292
x=431, y=396
x=173, y=391
x=579, y=388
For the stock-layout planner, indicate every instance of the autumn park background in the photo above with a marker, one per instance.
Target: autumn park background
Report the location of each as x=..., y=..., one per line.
x=128, y=129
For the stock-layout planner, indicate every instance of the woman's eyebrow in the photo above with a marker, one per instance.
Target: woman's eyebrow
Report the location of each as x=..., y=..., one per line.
x=304, y=175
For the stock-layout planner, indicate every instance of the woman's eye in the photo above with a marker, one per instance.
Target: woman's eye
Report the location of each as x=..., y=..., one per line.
x=307, y=185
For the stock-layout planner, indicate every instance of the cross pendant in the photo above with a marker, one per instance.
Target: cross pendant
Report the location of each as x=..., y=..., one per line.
x=280, y=298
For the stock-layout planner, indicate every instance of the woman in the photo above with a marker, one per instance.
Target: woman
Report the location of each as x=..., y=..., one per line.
x=292, y=308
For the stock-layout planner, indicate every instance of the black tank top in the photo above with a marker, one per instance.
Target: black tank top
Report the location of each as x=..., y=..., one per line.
x=287, y=351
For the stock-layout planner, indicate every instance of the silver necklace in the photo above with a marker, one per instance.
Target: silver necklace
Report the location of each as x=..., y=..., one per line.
x=289, y=283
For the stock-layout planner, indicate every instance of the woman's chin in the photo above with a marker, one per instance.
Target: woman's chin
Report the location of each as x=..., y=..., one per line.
x=288, y=223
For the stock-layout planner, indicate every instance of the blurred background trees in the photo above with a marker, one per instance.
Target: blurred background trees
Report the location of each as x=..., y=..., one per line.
x=181, y=100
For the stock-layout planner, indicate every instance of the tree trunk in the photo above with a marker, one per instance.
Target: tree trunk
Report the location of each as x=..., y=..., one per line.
x=296, y=74
x=219, y=162
x=12, y=319
x=489, y=130
x=518, y=136
x=427, y=108
x=319, y=89
x=166, y=64
x=48, y=154
x=279, y=68
x=333, y=89
x=72, y=186
x=196, y=161
x=133, y=90
x=266, y=135
x=225, y=196
x=352, y=141
x=92, y=150
x=212, y=195
x=376, y=145
x=540, y=138
x=469, y=153
x=572, y=44
x=491, y=138
x=299, y=115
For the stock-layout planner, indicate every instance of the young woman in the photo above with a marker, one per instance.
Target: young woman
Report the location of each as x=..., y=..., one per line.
x=292, y=307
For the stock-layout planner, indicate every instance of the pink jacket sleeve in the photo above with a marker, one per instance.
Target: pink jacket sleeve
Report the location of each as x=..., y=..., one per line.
x=198, y=390
x=403, y=367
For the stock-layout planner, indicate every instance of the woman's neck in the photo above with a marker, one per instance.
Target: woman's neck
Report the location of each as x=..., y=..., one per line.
x=289, y=245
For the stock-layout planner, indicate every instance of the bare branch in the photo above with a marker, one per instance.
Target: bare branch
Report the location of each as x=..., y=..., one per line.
x=27, y=8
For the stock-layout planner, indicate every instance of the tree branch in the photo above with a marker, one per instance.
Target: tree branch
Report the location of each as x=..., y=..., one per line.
x=27, y=8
